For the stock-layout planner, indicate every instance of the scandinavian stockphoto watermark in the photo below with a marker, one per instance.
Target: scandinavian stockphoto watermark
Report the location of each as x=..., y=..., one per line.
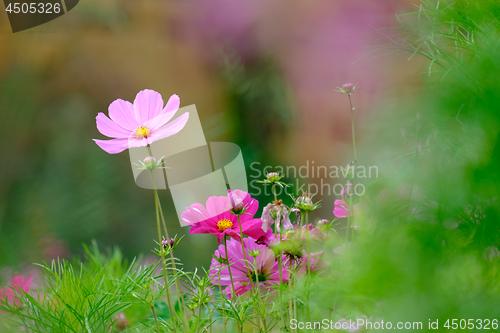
x=367, y=324
x=355, y=325
x=313, y=178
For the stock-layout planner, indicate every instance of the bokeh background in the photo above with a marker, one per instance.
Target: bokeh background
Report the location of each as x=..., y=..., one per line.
x=262, y=74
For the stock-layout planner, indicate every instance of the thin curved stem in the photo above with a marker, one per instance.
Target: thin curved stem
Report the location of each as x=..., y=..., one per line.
x=162, y=255
x=229, y=268
x=308, y=265
x=244, y=252
x=224, y=318
x=172, y=258
x=352, y=126
x=155, y=318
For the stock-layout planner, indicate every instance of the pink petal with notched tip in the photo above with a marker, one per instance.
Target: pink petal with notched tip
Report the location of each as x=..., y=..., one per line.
x=116, y=146
x=165, y=115
x=122, y=113
x=216, y=205
x=194, y=214
x=109, y=128
x=148, y=104
x=169, y=129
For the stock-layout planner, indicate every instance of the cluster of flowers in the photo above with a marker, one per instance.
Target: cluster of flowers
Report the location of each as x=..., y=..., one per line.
x=250, y=250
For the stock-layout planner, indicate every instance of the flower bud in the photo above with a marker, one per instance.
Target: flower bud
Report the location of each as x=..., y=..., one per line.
x=273, y=177
x=346, y=191
x=236, y=204
x=305, y=203
x=254, y=253
x=149, y=162
x=168, y=243
x=323, y=222
x=347, y=88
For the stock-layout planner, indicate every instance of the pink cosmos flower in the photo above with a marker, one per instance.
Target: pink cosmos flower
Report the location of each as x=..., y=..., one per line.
x=216, y=217
x=264, y=265
x=139, y=124
x=17, y=284
x=315, y=234
x=341, y=209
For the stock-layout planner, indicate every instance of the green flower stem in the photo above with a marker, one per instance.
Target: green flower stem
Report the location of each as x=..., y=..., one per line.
x=156, y=318
x=210, y=318
x=224, y=318
x=240, y=325
x=169, y=299
x=199, y=314
x=308, y=266
x=262, y=316
x=249, y=273
x=280, y=267
x=349, y=225
x=280, y=259
x=172, y=258
x=290, y=304
x=229, y=267
x=350, y=209
x=352, y=126
x=244, y=253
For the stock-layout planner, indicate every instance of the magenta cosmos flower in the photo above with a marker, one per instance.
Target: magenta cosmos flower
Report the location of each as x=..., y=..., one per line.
x=139, y=124
x=218, y=219
x=263, y=267
x=17, y=284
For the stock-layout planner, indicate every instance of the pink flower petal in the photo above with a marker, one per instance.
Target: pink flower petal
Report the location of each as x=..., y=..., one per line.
x=173, y=104
x=167, y=113
x=122, y=113
x=198, y=228
x=169, y=129
x=195, y=213
x=109, y=128
x=217, y=205
x=116, y=146
x=148, y=104
x=340, y=209
x=253, y=228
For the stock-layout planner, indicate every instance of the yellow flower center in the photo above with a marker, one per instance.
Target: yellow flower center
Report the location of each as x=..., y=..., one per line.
x=142, y=132
x=224, y=224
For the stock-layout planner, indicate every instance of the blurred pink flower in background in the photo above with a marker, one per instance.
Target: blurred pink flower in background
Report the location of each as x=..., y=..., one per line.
x=312, y=232
x=17, y=284
x=304, y=263
x=216, y=26
x=139, y=124
x=265, y=263
x=217, y=219
x=52, y=247
x=341, y=209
